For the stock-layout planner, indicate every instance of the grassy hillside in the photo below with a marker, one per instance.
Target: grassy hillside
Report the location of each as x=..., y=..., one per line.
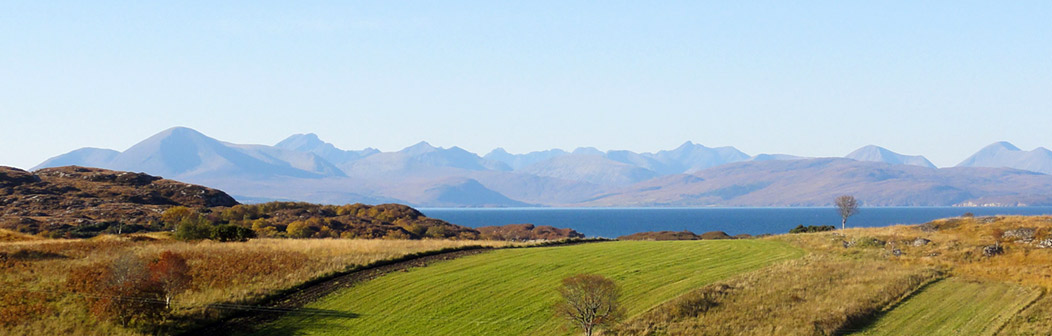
x=851, y=276
x=511, y=292
x=815, y=295
x=35, y=300
x=955, y=307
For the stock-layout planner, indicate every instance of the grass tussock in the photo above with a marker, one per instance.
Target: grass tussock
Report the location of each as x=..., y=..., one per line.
x=34, y=298
x=13, y=236
x=820, y=294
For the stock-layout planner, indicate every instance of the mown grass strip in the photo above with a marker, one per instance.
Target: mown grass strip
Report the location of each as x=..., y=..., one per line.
x=955, y=307
x=511, y=292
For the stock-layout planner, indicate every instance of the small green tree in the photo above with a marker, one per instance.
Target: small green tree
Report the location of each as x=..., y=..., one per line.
x=227, y=232
x=195, y=227
x=174, y=215
x=299, y=229
x=590, y=302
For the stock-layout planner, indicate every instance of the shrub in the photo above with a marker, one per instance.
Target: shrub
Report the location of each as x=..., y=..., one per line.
x=195, y=227
x=812, y=228
x=175, y=215
x=299, y=229
x=227, y=232
x=121, y=291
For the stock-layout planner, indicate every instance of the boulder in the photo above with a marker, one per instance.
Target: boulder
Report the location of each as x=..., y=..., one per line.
x=921, y=242
x=1045, y=243
x=992, y=250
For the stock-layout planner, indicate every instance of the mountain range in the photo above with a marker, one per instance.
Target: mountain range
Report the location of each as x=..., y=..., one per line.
x=304, y=167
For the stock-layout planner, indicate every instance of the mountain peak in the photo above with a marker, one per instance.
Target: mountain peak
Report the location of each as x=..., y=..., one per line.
x=875, y=153
x=498, y=151
x=180, y=131
x=587, y=151
x=1002, y=145
x=301, y=141
x=1004, y=154
x=419, y=147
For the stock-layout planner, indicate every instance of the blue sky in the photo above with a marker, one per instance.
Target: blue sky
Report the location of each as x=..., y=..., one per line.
x=938, y=78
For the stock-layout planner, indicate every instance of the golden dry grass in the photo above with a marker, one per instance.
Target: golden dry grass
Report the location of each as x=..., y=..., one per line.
x=35, y=301
x=836, y=285
x=956, y=245
x=819, y=294
x=12, y=236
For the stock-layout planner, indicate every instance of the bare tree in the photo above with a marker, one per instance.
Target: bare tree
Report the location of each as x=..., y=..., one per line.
x=847, y=205
x=591, y=302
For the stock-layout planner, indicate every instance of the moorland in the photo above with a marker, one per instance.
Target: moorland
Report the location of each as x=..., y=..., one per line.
x=187, y=266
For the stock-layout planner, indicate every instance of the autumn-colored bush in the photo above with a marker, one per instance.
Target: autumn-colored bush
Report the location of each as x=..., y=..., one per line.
x=172, y=274
x=121, y=291
x=21, y=304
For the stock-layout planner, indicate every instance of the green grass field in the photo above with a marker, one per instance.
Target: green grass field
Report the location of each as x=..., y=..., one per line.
x=511, y=291
x=955, y=307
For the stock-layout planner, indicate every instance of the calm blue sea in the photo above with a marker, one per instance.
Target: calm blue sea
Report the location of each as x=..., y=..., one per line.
x=614, y=222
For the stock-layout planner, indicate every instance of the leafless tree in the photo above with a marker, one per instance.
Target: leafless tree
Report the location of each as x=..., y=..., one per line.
x=590, y=302
x=847, y=205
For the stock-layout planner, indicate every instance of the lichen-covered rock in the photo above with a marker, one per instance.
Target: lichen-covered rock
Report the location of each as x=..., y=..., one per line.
x=992, y=250
x=1044, y=243
x=921, y=242
x=1020, y=234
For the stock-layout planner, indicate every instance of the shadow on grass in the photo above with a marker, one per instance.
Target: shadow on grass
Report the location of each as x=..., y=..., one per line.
x=322, y=313
x=308, y=322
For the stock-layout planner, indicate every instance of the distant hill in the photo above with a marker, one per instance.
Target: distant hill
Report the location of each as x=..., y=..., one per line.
x=304, y=167
x=815, y=182
x=1005, y=155
x=770, y=157
x=518, y=161
x=590, y=168
x=78, y=199
x=422, y=160
x=310, y=143
x=82, y=202
x=873, y=153
x=185, y=154
x=87, y=157
x=690, y=157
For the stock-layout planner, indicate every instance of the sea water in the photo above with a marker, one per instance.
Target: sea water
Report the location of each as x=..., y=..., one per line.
x=614, y=222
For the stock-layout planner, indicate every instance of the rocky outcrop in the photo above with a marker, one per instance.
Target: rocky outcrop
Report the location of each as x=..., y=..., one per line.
x=523, y=232
x=60, y=199
x=677, y=235
x=1025, y=235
